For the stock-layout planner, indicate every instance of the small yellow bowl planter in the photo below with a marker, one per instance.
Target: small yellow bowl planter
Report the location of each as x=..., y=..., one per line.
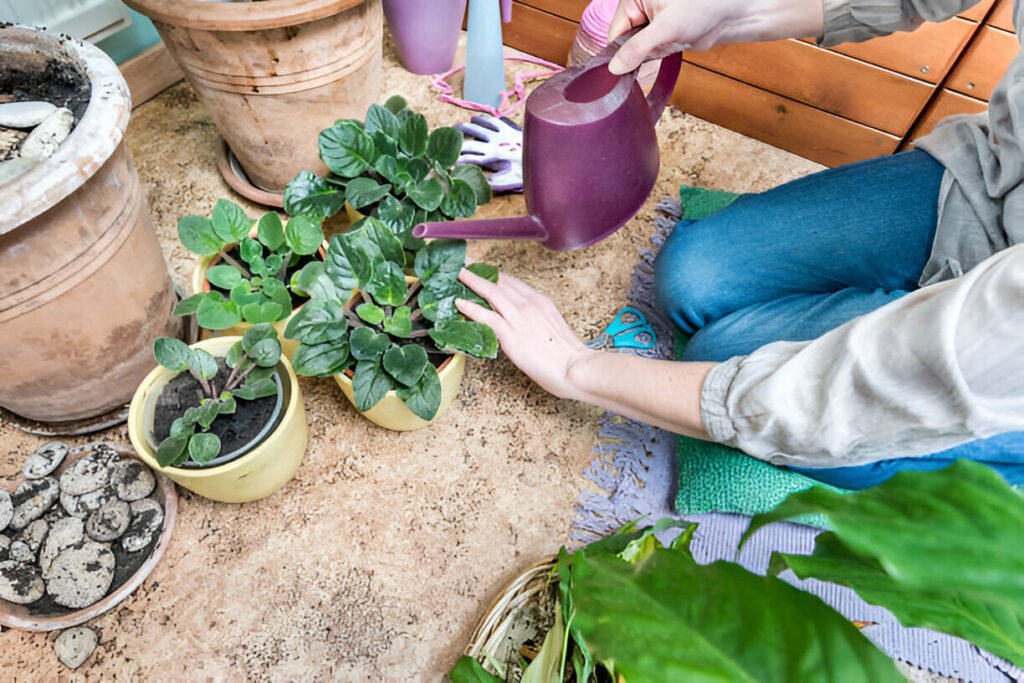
x=255, y=475
x=391, y=413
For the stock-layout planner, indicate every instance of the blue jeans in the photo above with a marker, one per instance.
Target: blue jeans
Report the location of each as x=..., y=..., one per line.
x=804, y=258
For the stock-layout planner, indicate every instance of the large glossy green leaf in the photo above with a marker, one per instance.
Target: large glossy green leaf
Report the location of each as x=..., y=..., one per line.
x=314, y=282
x=460, y=202
x=438, y=264
x=223, y=276
x=317, y=322
x=202, y=363
x=230, y=221
x=216, y=313
x=476, y=339
x=172, y=354
x=415, y=132
x=424, y=397
x=387, y=285
x=304, y=235
x=476, y=179
x=321, y=360
x=308, y=193
x=389, y=244
x=437, y=307
x=358, y=250
x=346, y=148
x=400, y=217
x=668, y=618
x=364, y=192
x=370, y=313
x=370, y=383
x=270, y=231
x=406, y=363
x=196, y=233
x=382, y=119
x=444, y=146
x=427, y=193
x=399, y=323
x=339, y=271
x=366, y=344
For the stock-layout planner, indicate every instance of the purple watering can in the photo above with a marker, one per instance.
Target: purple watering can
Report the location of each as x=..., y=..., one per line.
x=590, y=158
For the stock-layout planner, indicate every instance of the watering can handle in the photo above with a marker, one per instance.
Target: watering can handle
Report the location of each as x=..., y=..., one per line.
x=668, y=74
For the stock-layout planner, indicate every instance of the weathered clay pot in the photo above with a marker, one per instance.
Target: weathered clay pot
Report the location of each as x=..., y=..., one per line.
x=85, y=289
x=273, y=74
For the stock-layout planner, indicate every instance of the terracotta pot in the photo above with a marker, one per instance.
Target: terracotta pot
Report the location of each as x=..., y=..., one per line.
x=274, y=74
x=259, y=473
x=85, y=289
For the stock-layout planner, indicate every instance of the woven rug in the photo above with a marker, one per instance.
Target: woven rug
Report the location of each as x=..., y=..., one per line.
x=637, y=471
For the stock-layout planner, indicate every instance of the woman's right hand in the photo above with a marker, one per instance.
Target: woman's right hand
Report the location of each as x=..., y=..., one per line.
x=676, y=25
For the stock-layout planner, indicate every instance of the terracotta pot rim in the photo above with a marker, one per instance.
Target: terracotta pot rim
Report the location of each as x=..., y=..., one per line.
x=90, y=144
x=248, y=16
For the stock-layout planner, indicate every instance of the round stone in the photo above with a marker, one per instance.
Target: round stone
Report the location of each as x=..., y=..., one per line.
x=6, y=509
x=32, y=499
x=20, y=552
x=147, y=520
x=75, y=645
x=20, y=582
x=5, y=546
x=63, y=534
x=109, y=521
x=45, y=460
x=25, y=114
x=81, y=575
x=84, y=476
x=73, y=506
x=94, y=500
x=33, y=535
x=134, y=481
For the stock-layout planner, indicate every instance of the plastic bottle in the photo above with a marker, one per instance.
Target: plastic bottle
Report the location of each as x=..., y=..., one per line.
x=485, y=55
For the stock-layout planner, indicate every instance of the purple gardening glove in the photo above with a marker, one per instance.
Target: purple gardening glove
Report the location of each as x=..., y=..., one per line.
x=495, y=145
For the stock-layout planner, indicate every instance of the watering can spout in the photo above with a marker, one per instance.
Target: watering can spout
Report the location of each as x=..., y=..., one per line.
x=515, y=228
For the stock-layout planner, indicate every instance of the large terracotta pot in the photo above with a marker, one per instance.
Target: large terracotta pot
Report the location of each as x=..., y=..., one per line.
x=85, y=289
x=273, y=74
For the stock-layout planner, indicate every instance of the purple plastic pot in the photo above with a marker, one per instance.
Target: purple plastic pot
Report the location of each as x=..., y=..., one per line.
x=426, y=32
x=590, y=158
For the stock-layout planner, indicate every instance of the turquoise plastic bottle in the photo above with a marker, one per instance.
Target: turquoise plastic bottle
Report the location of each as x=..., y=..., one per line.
x=485, y=59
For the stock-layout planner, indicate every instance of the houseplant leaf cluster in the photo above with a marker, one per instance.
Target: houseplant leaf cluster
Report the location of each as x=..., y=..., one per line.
x=390, y=324
x=391, y=167
x=256, y=276
x=252, y=361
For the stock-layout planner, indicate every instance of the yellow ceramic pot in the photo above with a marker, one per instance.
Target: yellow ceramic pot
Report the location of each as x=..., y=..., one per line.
x=255, y=475
x=391, y=413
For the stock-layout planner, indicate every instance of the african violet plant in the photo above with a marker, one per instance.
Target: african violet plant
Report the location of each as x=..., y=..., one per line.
x=393, y=333
x=257, y=281
x=393, y=168
x=252, y=361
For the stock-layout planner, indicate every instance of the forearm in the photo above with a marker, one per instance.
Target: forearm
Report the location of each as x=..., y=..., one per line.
x=849, y=21
x=659, y=392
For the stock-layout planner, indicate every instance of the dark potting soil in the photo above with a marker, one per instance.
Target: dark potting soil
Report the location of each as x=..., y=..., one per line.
x=62, y=83
x=234, y=431
x=288, y=272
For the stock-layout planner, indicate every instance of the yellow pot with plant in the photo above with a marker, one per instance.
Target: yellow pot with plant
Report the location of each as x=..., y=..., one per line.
x=223, y=418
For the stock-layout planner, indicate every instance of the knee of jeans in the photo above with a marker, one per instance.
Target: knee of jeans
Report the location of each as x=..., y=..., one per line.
x=687, y=277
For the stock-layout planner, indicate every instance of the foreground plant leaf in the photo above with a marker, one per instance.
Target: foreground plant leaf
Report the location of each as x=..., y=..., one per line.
x=346, y=149
x=406, y=363
x=424, y=397
x=309, y=194
x=476, y=339
x=370, y=383
x=468, y=670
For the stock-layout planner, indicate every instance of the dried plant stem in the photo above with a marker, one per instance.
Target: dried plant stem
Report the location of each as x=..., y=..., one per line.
x=237, y=264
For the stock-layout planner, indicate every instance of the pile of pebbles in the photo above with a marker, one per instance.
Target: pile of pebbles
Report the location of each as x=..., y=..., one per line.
x=30, y=132
x=66, y=538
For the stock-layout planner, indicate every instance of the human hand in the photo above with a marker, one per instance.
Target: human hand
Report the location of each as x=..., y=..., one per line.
x=676, y=25
x=531, y=331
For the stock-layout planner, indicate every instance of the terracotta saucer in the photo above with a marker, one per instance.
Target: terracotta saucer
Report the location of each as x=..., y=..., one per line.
x=236, y=179
x=18, y=616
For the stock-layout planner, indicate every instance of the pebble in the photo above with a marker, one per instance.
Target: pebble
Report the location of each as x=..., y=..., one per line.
x=45, y=460
x=94, y=500
x=85, y=476
x=134, y=481
x=6, y=509
x=5, y=544
x=75, y=645
x=109, y=522
x=25, y=114
x=147, y=520
x=20, y=552
x=63, y=534
x=12, y=168
x=45, y=138
x=20, y=583
x=81, y=575
x=32, y=499
x=33, y=535
x=73, y=505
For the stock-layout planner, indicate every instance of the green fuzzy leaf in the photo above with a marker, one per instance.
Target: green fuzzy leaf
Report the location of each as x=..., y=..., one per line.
x=304, y=235
x=235, y=355
x=460, y=202
x=400, y=323
x=255, y=334
x=202, y=363
x=172, y=354
x=358, y=251
x=272, y=265
x=270, y=231
x=198, y=236
x=439, y=263
x=347, y=149
x=321, y=360
x=428, y=193
x=242, y=294
x=382, y=119
x=309, y=194
x=395, y=104
x=266, y=312
x=206, y=413
x=369, y=383
x=364, y=192
x=216, y=313
x=314, y=282
x=418, y=169
x=385, y=146
x=227, y=405
x=387, y=286
x=475, y=178
x=170, y=450
x=423, y=398
x=182, y=429
x=266, y=353
x=415, y=132
x=484, y=270
x=389, y=244
x=203, y=448
x=388, y=168
x=191, y=304
x=400, y=218
x=464, y=336
x=436, y=308
x=250, y=250
x=256, y=388
x=370, y=313
x=230, y=222
x=276, y=291
x=223, y=276
x=406, y=363
x=444, y=146
x=317, y=322
x=366, y=344
x=339, y=269
x=468, y=670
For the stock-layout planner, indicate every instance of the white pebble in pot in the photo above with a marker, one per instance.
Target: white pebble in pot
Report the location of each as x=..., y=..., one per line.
x=75, y=645
x=147, y=520
x=25, y=114
x=81, y=575
x=63, y=534
x=134, y=481
x=20, y=583
x=33, y=535
x=84, y=476
x=45, y=460
x=6, y=509
x=109, y=521
x=45, y=138
x=32, y=499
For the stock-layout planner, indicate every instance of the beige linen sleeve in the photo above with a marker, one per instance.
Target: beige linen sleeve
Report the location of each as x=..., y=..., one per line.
x=853, y=21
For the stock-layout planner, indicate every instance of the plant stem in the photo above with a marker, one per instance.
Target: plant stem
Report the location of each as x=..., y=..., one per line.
x=416, y=334
x=416, y=315
x=366, y=297
x=412, y=291
x=229, y=385
x=284, y=267
x=241, y=378
x=354, y=319
x=245, y=271
x=202, y=382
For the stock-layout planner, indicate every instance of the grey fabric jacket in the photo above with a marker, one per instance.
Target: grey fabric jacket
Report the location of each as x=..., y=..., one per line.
x=941, y=366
